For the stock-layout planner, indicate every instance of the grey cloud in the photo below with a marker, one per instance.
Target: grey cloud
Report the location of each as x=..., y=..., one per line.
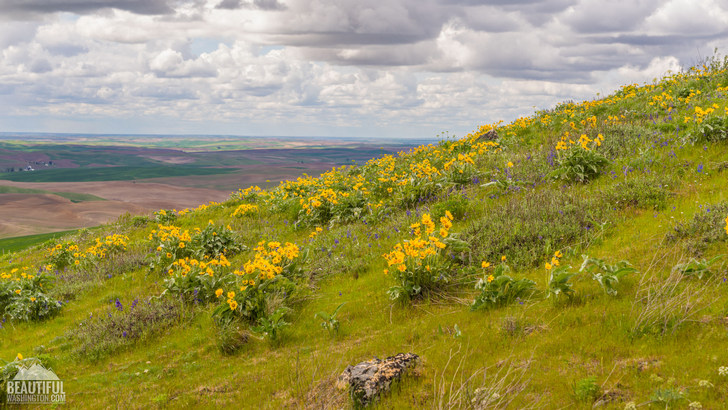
x=15, y=32
x=343, y=39
x=40, y=66
x=255, y=4
x=66, y=50
x=20, y=7
x=164, y=93
x=375, y=55
x=598, y=16
x=229, y=5
x=268, y=5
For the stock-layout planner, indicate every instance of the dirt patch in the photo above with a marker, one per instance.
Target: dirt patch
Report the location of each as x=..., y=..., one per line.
x=170, y=159
x=27, y=214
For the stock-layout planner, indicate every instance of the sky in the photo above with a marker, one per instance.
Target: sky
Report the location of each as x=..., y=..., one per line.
x=357, y=68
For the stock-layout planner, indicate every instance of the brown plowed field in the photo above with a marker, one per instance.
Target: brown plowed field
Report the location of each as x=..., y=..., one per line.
x=27, y=214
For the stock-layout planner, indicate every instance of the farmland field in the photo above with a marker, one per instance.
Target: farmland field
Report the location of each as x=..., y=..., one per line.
x=140, y=174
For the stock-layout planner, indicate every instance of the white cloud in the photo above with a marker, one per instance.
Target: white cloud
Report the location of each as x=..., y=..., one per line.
x=696, y=17
x=356, y=67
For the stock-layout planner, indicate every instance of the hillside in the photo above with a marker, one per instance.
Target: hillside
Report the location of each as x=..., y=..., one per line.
x=573, y=258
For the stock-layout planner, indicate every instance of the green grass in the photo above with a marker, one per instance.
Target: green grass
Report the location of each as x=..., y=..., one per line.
x=72, y=196
x=18, y=243
x=660, y=340
x=122, y=173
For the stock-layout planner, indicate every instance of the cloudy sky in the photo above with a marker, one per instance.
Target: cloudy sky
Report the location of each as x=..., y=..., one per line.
x=368, y=68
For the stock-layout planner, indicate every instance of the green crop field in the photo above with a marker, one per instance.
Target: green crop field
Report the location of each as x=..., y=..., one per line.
x=574, y=258
x=10, y=245
x=122, y=173
x=73, y=196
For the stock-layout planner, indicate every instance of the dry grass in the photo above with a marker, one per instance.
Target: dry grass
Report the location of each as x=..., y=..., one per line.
x=496, y=386
x=664, y=303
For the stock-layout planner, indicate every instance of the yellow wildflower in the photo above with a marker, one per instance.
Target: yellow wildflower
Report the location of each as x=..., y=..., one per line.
x=218, y=292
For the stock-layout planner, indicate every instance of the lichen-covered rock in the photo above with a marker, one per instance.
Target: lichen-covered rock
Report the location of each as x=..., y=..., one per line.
x=491, y=135
x=368, y=379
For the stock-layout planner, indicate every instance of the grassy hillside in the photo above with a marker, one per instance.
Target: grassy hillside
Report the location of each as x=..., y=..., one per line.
x=572, y=258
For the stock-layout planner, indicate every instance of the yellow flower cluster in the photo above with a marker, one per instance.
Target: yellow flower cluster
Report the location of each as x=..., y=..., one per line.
x=247, y=193
x=554, y=260
x=424, y=244
x=230, y=298
x=701, y=113
x=245, y=209
x=662, y=100
x=14, y=276
x=188, y=265
x=170, y=234
x=110, y=243
x=269, y=259
x=327, y=195
x=315, y=232
x=583, y=142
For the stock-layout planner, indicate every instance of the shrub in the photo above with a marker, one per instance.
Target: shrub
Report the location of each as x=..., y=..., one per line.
x=455, y=204
x=63, y=255
x=165, y=216
x=712, y=129
x=329, y=321
x=528, y=227
x=260, y=286
x=558, y=283
x=605, y=274
x=197, y=280
x=231, y=338
x=172, y=244
x=498, y=288
x=580, y=165
x=419, y=265
x=586, y=390
x=215, y=240
x=644, y=192
x=272, y=326
x=698, y=268
x=121, y=326
x=23, y=296
x=704, y=228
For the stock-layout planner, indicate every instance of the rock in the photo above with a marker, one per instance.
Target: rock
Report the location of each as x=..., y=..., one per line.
x=491, y=135
x=368, y=379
